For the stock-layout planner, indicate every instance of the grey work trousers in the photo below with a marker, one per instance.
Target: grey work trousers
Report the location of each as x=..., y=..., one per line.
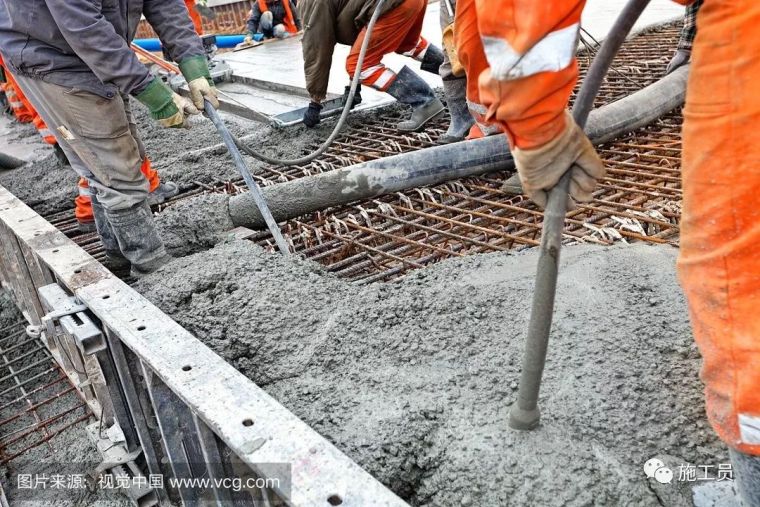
x=99, y=137
x=446, y=20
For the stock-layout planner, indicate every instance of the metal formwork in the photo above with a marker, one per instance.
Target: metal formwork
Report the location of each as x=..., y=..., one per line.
x=180, y=409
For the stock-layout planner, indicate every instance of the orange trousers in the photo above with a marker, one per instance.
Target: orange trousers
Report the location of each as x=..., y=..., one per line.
x=397, y=31
x=520, y=64
x=720, y=226
x=83, y=203
x=194, y=16
x=23, y=110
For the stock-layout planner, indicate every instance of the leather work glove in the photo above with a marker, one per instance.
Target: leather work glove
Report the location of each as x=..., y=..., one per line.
x=680, y=58
x=311, y=116
x=541, y=168
x=357, y=95
x=195, y=70
x=166, y=107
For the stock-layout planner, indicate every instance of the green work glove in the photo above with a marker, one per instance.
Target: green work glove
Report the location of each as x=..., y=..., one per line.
x=166, y=107
x=195, y=70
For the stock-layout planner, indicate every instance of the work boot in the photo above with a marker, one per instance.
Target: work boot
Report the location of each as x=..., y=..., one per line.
x=455, y=91
x=432, y=60
x=86, y=226
x=138, y=239
x=512, y=185
x=115, y=261
x=410, y=89
x=747, y=475
x=164, y=192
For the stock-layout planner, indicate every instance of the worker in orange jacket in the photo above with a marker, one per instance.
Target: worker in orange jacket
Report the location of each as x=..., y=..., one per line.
x=523, y=61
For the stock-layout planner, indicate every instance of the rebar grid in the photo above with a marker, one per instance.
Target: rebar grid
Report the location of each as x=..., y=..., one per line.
x=37, y=400
x=381, y=239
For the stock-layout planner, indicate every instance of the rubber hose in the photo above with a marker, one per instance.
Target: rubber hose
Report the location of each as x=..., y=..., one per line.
x=8, y=162
x=344, y=115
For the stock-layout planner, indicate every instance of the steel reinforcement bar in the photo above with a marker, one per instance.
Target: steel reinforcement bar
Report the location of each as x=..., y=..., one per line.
x=136, y=367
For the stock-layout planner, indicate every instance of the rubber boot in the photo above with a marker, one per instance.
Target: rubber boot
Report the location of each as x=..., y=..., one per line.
x=164, y=191
x=410, y=89
x=115, y=261
x=138, y=239
x=432, y=60
x=455, y=91
x=512, y=185
x=747, y=475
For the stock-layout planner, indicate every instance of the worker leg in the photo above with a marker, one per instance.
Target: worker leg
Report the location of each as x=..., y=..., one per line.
x=473, y=59
x=720, y=227
x=454, y=85
x=102, y=148
x=391, y=30
x=16, y=99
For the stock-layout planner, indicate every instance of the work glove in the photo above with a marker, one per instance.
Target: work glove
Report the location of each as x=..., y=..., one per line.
x=166, y=107
x=541, y=168
x=357, y=95
x=311, y=116
x=195, y=70
x=680, y=58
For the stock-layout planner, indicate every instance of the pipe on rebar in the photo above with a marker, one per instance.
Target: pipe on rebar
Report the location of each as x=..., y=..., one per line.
x=437, y=165
x=9, y=162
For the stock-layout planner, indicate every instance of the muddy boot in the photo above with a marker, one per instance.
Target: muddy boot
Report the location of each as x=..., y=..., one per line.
x=138, y=239
x=115, y=261
x=747, y=474
x=412, y=90
x=512, y=185
x=432, y=60
x=455, y=91
x=164, y=192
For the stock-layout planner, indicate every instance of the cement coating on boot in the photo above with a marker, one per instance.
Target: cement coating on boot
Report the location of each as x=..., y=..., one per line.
x=512, y=185
x=432, y=60
x=455, y=92
x=164, y=192
x=134, y=230
x=410, y=89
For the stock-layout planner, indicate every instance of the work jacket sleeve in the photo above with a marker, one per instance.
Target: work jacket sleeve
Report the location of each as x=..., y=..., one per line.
x=530, y=47
x=252, y=26
x=318, y=44
x=171, y=21
x=96, y=43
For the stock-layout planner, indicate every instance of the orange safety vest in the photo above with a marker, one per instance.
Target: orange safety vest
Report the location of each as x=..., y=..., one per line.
x=289, y=21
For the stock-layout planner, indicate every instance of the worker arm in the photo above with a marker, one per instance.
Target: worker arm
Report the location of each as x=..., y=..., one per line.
x=171, y=21
x=252, y=26
x=318, y=44
x=95, y=41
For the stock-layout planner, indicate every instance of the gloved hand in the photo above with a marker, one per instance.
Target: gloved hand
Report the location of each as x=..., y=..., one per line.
x=166, y=107
x=357, y=95
x=311, y=116
x=680, y=58
x=195, y=70
x=541, y=168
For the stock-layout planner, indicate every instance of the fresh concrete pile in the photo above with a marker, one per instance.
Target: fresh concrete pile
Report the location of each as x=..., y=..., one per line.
x=413, y=379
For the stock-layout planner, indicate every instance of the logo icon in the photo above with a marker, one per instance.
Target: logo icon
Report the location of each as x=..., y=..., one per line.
x=656, y=469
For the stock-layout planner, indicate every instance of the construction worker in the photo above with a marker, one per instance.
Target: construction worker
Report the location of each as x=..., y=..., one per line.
x=74, y=63
x=686, y=40
x=398, y=29
x=525, y=88
x=273, y=19
x=195, y=16
x=454, y=79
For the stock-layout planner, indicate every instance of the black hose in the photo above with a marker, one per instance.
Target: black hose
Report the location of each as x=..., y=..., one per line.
x=9, y=162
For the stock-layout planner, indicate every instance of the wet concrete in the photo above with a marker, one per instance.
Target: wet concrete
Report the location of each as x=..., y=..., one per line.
x=413, y=379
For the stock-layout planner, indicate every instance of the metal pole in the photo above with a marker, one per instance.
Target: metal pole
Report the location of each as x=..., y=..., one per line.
x=524, y=414
x=254, y=189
